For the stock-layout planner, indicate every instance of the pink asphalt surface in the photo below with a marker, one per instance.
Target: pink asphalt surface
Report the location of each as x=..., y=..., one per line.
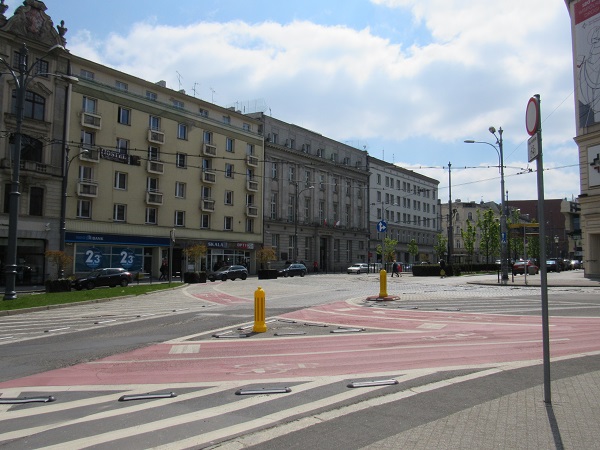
x=397, y=341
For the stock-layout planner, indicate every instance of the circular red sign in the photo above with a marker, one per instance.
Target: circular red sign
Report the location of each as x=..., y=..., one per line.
x=532, y=116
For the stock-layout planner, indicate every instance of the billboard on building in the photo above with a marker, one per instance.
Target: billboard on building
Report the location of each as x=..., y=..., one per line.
x=587, y=59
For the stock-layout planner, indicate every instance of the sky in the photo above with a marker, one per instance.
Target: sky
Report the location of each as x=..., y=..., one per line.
x=407, y=80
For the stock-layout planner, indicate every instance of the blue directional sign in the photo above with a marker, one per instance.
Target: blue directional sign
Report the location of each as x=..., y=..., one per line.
x=381, y=226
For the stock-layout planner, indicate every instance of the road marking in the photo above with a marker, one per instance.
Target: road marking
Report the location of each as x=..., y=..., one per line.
x=432, y=326
x=180, y=349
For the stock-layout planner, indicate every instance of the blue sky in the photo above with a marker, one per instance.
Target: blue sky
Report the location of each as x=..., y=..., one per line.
x=409, y=80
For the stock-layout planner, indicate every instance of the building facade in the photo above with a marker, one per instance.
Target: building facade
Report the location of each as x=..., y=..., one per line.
x=153, y=168
x=315, y=197
x=407, y=202
x=31, y=46
x=584, y=31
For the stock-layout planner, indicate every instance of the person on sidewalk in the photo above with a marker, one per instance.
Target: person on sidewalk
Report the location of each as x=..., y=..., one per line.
x=395, y=269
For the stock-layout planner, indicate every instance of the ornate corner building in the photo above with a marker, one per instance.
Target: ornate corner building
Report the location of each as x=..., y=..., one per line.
x=585, y=31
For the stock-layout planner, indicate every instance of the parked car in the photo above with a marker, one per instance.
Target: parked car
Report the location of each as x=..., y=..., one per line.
x=359, y=268
x=552, y=265
x=293, y=269
x=229, y=273
x=519, y=268
x=575, y=264
x=103, y=277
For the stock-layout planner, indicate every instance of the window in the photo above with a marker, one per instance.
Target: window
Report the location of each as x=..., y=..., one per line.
x=152, y=184
x=249, y=225
x=124, y=116
x=31, y=149
x=178, y=104
x=246, y=126
x=151, y=216
x=88, y=140
x=153, y=153
x=207, y=137
x=86, y=173
x=203, y=112
x=154, y=123
x=227, y=120
x=250, y=149
x=206, y=192
x=274, y=170
x=182, y=131
x=228, y=170
x=121, y=86
x=274, y=198
x=84, y=209
x=36, y=201
x=180, y=218
x=119, y=212
x=205, y=221
x=90, y=105
x=179, y=189
x=151, y=96
x=228, y=223
x=229, y=197
x=229, y=145
x=34, y=108
x=86, y=74
x=291, y=173
x=120, y=180
x=123, y=146
x=181, y=160
x=42, y=68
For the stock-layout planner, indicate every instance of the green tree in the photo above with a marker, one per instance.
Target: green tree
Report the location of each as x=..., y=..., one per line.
x=515, y=241
x=441, y=245
x=264, y=255
x=60, y=259
x=388, y=250
x=469, y=236
x=194, y=252
x=489, y=244
x=413, y=249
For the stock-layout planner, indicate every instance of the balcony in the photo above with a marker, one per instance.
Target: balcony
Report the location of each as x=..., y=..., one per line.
x=252, y=185
x=252, y=160
x=209, y=176
x=156, y=136
x=91, y=120
x=154, y=198
x=209, y=149
x=92, y=155
x=155, y=167
x=207, y=205
x=251, y=211
x=87, y=188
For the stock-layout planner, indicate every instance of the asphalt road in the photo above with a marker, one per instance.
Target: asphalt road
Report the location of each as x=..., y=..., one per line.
x=88, y=356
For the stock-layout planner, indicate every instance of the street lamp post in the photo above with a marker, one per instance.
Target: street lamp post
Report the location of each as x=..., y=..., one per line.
x=63, y=204
x=22, y=77
x=503, y=226
x=296, y=218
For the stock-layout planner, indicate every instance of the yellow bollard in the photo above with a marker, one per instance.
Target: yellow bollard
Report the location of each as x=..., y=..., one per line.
x=259, y=311
x=382, y=283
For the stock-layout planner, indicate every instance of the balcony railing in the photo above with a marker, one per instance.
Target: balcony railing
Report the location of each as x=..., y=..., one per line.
x=91, y=120
x=252, y=185
x=252, y=160
x=209, y=176
x=87, y=188
x=156, y=167
x=209, y=149
x=154, y=198
x=207, y=205
x=252, y=211
x=156, y=136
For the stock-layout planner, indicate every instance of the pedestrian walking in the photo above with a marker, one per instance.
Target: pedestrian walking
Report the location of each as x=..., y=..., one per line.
x=442, y=268
x=395, y=269
x=315, y=267
x=164, y=270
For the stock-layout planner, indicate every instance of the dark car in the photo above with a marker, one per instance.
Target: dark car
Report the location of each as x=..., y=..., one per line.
x=229, y=273
x=552, y=265
x=293, y=269
x=519, y=268
x=103, y=277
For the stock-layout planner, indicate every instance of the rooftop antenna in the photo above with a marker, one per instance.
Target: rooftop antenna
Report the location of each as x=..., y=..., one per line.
x=179, y=79
x=194, y=88
x=213, y=95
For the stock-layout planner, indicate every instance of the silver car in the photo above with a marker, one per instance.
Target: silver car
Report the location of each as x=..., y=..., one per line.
x=359, y=268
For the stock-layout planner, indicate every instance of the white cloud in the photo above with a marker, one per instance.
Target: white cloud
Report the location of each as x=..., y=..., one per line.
x=477, y=66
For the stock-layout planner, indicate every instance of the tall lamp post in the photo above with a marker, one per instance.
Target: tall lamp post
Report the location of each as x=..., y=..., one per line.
x=63, y=204
x=503, y=227
x=296, y=218
x=22, y=77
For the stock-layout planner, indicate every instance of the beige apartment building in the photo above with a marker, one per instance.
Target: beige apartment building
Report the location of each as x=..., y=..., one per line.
x=149, y=164
x=315, y=197
x=586, y=72
x=143, y=168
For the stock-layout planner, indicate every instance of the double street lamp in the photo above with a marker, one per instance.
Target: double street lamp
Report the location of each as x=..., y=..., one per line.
x=295, y=259
x=503, y=226
x=21, y=77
